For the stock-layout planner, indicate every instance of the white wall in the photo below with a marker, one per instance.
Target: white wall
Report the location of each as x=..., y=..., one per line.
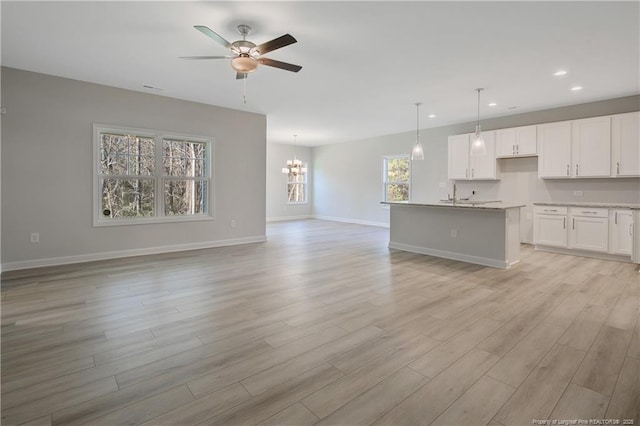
x=348, y=177
x=47, y=170
x=277, y=206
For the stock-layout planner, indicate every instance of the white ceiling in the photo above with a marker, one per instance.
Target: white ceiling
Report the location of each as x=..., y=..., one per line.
x=365, y=64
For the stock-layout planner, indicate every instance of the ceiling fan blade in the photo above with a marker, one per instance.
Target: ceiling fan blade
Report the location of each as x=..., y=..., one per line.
x=241, y=76
x=276, y=43
x=213, y=35
x=281, y=65
x=205, y=57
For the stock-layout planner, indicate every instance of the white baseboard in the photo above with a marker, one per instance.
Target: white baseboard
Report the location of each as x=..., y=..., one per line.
x=484, y=261
x=583, y=253
x=356, y=221
x=55, y=261
x=286, y=218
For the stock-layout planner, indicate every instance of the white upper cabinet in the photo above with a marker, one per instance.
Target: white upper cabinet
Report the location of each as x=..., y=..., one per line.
x=591, y=147
x=484, y=166
x=458, y=157
x=625, y=144
x=463, y=165
x=516, y=142
x=554, y=150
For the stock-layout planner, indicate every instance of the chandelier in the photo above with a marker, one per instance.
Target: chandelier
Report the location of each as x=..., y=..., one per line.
x=295, y=166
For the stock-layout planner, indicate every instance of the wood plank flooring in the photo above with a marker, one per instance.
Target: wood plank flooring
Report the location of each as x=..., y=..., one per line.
x=322, y=324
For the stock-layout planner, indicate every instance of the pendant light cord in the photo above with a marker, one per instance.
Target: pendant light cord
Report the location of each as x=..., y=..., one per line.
x=478, y=122
x=418, y=122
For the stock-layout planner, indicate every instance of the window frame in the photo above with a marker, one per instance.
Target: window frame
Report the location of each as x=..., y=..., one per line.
x=159, y=177
x=304, y=185
x=385, y=183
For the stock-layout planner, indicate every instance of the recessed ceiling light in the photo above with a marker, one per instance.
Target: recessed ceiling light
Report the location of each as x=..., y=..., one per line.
x=150, y=87
x=560, y=73
x=576, y=88
x=432, y=116
x=493, y=104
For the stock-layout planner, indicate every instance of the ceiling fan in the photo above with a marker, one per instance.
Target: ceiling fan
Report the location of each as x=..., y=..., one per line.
x=247, y=55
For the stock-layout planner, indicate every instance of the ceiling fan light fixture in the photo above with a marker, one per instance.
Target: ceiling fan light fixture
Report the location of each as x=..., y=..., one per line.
x=244, y=64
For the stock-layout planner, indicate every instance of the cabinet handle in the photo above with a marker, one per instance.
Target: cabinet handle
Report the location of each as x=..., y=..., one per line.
x=471, y=172
x=616, y=218
x=567, y=170
x=550, y=210
x=577, y=172
x=618, y=168
x=573, y=226
x=564, y=223
x=588, y=212
x=631, y=229
x=517, y=149
x=513, y=149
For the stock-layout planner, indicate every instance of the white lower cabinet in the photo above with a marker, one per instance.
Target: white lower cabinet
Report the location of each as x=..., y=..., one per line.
x=601, y=230
x=550, y=226
x=589, y=229
x=621, y=232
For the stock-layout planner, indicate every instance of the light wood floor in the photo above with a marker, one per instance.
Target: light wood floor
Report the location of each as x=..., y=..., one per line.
x=320, y=325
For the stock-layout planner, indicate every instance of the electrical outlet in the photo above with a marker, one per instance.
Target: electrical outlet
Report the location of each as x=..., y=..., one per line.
x=35, y=237
x=234, y=223
x=578, y=193
x=454, y=233
x=442, y=184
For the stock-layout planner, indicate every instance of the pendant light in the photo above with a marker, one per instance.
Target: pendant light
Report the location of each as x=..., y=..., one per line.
x=417, y=153
x=478, y=146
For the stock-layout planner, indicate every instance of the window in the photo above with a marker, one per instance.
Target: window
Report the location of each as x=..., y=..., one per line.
x=397, y=178
x=145, y=176
x=297, y=184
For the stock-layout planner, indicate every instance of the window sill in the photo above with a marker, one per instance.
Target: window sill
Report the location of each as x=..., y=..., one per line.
x=151, y=220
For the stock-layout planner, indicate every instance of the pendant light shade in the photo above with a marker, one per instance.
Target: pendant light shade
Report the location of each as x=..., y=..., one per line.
x=417, y=153
x=478, y=146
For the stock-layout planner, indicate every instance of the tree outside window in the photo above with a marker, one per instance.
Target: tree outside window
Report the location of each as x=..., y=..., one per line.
x=144, y=176
x=397, y=178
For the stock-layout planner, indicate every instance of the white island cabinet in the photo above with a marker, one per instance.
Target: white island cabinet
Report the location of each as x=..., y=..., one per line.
x=485, y=234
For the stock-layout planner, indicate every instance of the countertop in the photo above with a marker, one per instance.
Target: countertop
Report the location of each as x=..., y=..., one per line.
x=493, y=205
x=576, y=204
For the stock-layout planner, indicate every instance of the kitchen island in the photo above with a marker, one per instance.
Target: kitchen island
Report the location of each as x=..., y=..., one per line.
x=484, y=233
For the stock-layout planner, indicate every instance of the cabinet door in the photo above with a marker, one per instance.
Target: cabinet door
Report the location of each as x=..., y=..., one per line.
x=620, y=232
x=625, y=140
x=550, y=230
x=589, y=233
x=484, y=166
x=591, y=147
x=527, y=143
x=506, y=142
x=554, y=145
x=458, y=157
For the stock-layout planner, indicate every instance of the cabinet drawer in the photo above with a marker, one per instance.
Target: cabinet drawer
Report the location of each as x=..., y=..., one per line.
x=589, y=212
x=550, y=210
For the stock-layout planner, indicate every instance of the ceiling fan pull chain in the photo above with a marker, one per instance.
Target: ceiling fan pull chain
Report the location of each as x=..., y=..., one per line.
x=244, y=90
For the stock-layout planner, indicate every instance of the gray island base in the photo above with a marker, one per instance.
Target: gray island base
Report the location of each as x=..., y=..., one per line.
x=485, y=234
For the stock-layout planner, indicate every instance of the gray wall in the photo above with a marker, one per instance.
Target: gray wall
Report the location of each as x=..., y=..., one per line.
x=47, y=170
x=348, y=177
x=277, y=207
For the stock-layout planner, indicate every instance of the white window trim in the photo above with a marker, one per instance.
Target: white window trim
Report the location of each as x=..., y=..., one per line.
x=384, y=178
x=158, y=136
